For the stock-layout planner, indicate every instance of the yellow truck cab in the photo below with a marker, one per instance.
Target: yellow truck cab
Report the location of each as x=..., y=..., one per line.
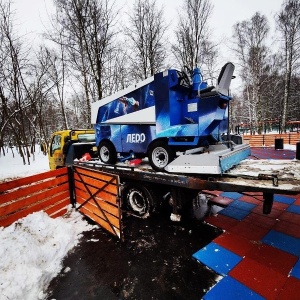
x=59, y=139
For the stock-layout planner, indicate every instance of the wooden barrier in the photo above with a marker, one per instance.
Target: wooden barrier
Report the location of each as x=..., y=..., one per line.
x=97, y=194
x=260, y=140
x=47, y=191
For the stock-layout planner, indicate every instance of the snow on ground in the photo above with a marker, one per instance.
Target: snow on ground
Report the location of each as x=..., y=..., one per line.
x=289, y=147
x=32, y=249
x=13, y=167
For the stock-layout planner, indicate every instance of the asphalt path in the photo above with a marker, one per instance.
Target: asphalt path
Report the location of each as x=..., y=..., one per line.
x=153, y=262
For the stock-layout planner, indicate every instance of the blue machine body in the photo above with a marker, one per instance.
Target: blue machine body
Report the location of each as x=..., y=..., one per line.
x=172, y=106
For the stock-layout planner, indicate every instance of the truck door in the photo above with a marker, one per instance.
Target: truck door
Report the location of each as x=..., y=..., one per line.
x=55, y=153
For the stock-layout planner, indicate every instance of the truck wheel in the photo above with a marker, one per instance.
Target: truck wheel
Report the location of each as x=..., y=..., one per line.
x=107, y=153
x=160, y=155
x=138, y=199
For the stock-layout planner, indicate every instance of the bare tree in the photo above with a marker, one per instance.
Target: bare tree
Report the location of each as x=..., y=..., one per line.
x=85, y=29
x=13, y=90
x=47, y=91
x=56, y=73
x=193, y=46
x=288, y=22
x=250, y=40
x=146, y=32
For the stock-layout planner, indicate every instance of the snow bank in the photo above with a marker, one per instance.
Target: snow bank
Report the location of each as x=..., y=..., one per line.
x=12, y=166
x=31, y=252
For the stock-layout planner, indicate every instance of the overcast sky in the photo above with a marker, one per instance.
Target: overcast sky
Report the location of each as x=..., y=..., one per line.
x=32, y=15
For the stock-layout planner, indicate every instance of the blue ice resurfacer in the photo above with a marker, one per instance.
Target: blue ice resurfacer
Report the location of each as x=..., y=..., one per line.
x=174, y=119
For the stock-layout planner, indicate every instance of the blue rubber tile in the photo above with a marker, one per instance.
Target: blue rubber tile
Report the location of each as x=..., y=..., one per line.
x=232, y=195
x=284, y=199
x=242, y=205
x=217, y=258
x=296, y=270
x=228, y=288
x=283, y=242
x=235, y=213
x=294, y=209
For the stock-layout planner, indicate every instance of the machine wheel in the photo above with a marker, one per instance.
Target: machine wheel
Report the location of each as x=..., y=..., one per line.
x=138, y=199
x=160, y=155
x=107, y=153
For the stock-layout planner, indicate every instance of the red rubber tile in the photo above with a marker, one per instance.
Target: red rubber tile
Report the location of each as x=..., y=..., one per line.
x=290, y=290
x=273, y=258
x=280, y=205
x=253, y=193
x=222, y=201
x=288, y=228
x=250, y=199
x=235, y=243
x=290, y=217
x=221, y=221
x=249, y=231
x=261, y=279
x=260, y=220
x=275, y=213
x=215, y=193
x=297, y=201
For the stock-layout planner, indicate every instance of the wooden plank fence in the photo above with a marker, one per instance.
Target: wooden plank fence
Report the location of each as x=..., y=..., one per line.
x=259, y=140
x=48, y=192
x=96, y=193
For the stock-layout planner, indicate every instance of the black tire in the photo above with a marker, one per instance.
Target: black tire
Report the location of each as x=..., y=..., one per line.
x=137, y=199
x=107, y=153
x=160, y=155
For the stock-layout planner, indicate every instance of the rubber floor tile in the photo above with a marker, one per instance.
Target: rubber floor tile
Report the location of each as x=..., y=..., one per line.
x=284, y=199
x=297, y=201
x=296, y=271
x=250, y=231
x=254, y=194
x=215, y=193
x=290, y=290
x=232, y=195
x=290, y=217
x=280, y=206
x=228, y=289
x=250, y=199
x=235, y=243
x=283, y=241
x=217, y=258
x=242, y=205
x=271, y=153
x=260, y=220
x=222, y=222
x=222, y=201
x=235, y=213
x=273, y=258
x=294, y=209
x=259, y=278
x=275, y=213
x=288, y=228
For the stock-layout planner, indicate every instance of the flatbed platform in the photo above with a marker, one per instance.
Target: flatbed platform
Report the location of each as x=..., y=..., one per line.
x=266, y=176
x=269, y=176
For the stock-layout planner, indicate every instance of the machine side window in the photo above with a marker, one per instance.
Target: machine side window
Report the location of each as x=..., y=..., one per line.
x=55, y=144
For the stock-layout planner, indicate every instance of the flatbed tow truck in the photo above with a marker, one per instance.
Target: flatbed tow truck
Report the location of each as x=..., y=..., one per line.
x=143, y=189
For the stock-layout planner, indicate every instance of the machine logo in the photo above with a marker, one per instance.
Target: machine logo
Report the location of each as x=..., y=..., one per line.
x=136, y=138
